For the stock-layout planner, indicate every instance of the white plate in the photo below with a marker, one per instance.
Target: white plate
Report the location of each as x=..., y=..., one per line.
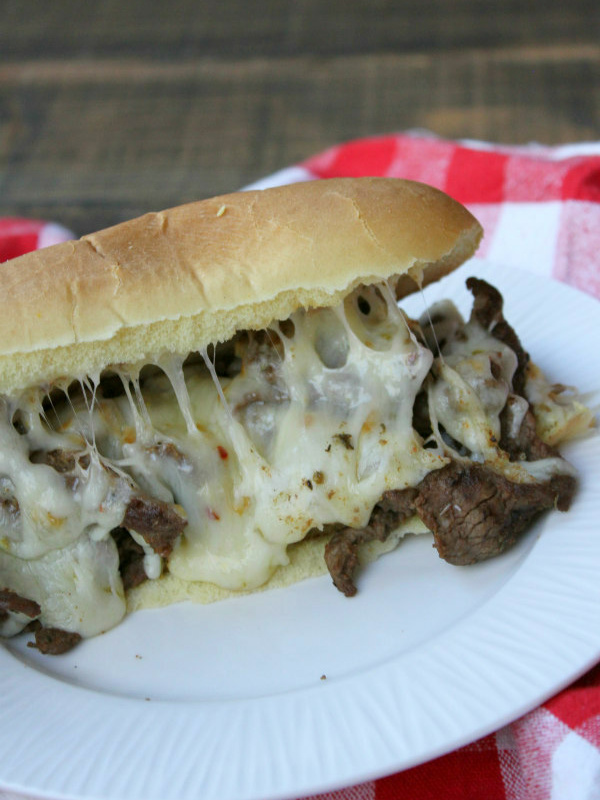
x=300, y=690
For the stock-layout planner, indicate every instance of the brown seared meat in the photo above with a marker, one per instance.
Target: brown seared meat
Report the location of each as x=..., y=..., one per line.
x=131, y=558
x=341, y=552
x=157, y=522
x=476, y=513
x=473, y=512
x=54, y=641
x=50, y=641
x=526, y=445
x=11, y=602
x=61, y=460
x=487, y=311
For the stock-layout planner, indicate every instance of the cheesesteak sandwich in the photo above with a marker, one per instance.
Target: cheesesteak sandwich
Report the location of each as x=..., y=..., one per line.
x=197, y=402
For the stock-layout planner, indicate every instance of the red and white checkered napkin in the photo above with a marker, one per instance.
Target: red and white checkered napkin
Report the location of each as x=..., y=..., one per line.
x=540, y=208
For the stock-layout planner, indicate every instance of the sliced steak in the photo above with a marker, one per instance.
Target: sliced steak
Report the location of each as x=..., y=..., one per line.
x=64, y=462
x=157, y=522
x=487, y=311
x=61, y=460
x=341, y=552
x=54, y=641
x=526, y=445
x=50, y=641
x=131, y=558
x=476, y=513
x=13, y=603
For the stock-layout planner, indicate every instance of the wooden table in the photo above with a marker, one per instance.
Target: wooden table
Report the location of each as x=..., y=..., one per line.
x=111, y=108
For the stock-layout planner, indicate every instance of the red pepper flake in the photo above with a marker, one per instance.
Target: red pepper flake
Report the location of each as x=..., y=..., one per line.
x=222, y=452
x=212, y=514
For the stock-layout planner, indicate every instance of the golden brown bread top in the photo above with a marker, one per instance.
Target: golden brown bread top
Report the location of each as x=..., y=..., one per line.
x=180, y=279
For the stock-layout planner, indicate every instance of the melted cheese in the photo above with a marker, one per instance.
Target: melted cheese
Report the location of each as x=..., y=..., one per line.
x=559, y=410
x=315, y=427
x=264, y=460
x=55, y=546
x=473, y=380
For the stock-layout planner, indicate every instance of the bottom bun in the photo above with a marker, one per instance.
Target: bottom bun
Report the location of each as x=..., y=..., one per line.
x=306, y=561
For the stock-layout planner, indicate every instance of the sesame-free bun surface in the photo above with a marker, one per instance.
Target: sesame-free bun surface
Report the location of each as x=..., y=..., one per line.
x=180, y=279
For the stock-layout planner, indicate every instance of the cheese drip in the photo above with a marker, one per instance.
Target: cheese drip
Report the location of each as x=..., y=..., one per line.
x=307, y=424
x=55, y=546
x=312, y=431
x=472, y=383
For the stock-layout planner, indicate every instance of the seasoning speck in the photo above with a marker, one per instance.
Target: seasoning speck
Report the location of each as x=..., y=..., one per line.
x=345, y=439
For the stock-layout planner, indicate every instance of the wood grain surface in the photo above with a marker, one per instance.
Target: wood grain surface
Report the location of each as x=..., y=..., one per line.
x=112, y=108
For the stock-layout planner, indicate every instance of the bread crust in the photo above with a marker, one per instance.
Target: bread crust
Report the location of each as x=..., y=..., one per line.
x=178, y=280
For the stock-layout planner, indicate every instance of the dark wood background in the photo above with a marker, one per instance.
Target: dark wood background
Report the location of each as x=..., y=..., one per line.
x=111, y=108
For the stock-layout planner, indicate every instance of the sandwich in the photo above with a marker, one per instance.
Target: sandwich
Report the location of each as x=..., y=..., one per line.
x=227, y=395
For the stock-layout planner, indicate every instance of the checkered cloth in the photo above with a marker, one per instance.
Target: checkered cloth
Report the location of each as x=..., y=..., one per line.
x=540, y=208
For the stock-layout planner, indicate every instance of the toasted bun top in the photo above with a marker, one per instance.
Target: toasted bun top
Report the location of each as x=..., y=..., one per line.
x=181, y=279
